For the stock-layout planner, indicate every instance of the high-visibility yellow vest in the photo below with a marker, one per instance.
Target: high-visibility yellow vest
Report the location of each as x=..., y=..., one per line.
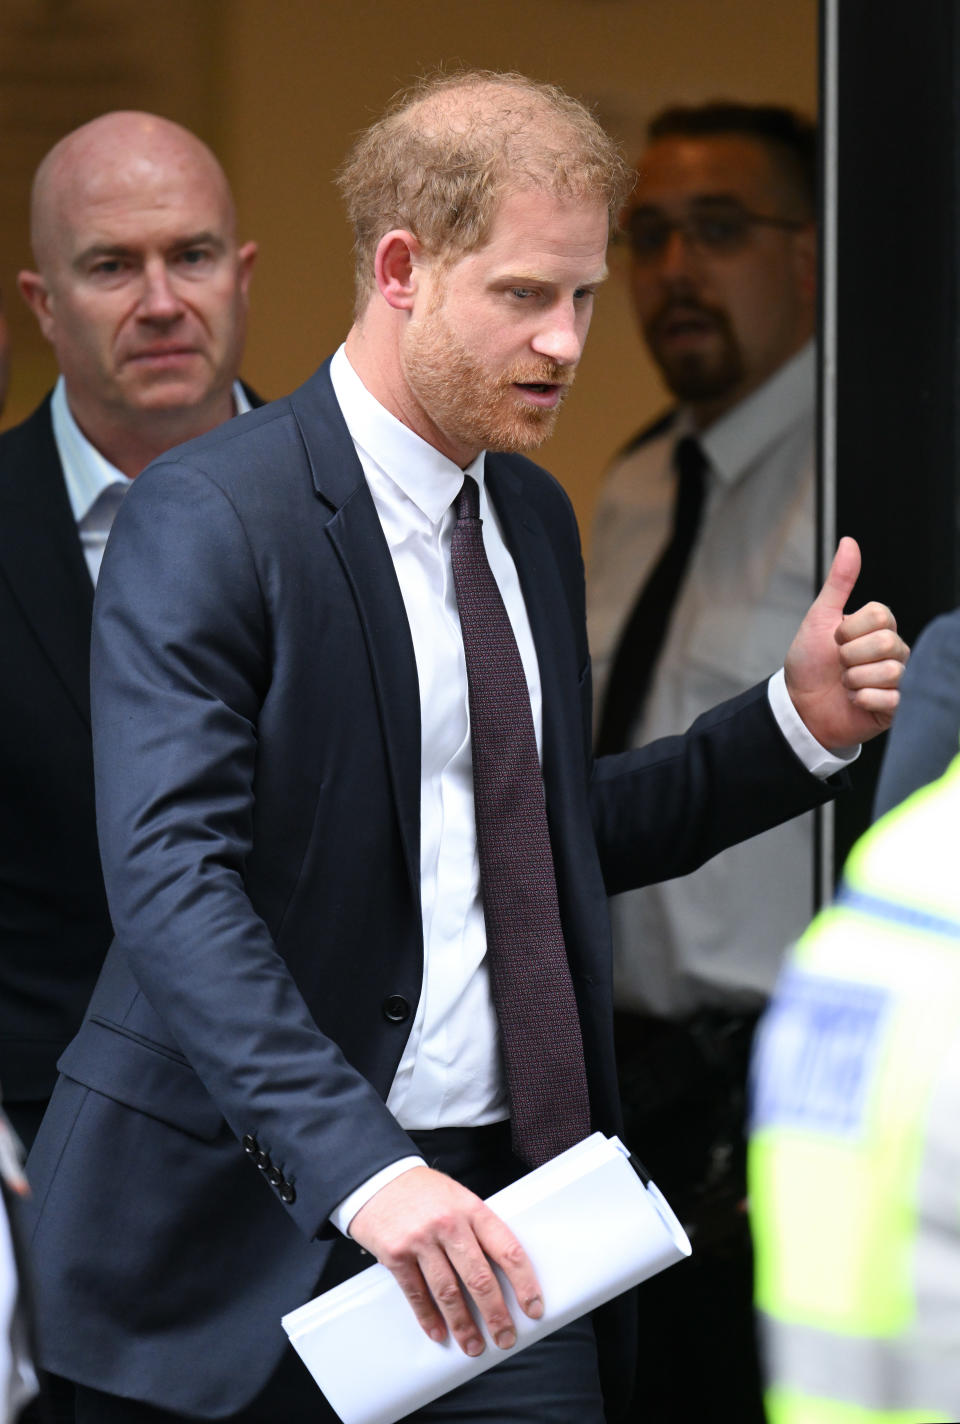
x=854, y=1159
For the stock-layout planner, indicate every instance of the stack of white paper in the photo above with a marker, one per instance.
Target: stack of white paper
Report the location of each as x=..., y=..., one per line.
x=592, y=1228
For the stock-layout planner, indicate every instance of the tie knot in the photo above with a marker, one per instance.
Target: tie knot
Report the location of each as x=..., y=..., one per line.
x=467, y=502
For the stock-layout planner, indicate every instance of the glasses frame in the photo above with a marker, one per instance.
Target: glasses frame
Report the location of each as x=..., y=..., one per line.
x=686, y=225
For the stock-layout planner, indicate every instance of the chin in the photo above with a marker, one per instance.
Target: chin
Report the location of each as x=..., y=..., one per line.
x=520, y=431
x=171, y=396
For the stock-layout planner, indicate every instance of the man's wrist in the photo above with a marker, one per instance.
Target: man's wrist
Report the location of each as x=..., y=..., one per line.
x=820, y=761
x=344, y=1212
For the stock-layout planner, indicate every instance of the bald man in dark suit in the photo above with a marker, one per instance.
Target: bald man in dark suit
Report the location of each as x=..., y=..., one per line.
x=141, y=289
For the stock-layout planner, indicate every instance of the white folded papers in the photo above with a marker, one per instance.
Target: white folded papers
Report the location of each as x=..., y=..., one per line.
x=592, y=1227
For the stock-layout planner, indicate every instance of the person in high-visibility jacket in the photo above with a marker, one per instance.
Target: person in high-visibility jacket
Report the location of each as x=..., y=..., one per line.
x=854, y=1159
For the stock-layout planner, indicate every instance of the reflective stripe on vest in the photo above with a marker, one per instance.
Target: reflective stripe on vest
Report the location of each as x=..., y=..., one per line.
x=782, y=1407
x=885, y=1377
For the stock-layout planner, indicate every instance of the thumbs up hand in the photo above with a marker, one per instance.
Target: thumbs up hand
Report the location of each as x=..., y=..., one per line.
x=843, y=671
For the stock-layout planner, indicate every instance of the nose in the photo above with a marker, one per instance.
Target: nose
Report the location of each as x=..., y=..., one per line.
x=562, y=335
x=679, y=256
x=159, y=301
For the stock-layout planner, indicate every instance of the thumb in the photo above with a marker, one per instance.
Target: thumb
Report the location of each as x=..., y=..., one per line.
x=844, y=572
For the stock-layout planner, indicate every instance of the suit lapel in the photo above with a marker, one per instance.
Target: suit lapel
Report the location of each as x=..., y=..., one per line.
x=41, y=558
x=354, y=531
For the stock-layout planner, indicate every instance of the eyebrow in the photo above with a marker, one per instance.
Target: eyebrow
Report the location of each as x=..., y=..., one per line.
x=698, y=200
x=89, y=254
x=530, y=279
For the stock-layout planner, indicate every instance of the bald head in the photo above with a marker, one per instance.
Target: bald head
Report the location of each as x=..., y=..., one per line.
x=112, y=159
x=140, y=286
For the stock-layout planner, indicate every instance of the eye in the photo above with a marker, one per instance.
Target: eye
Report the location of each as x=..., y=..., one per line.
x=584, y=294
x=649, y=235
x=195, y=259
x=720, y=230
x=523, y=293
x=109, y=266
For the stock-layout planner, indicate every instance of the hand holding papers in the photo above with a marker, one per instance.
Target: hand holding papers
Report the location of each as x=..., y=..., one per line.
x=448, y=1252
x=591, y=1227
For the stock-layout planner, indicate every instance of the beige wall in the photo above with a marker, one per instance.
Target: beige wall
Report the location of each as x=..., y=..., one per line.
x=295, y=78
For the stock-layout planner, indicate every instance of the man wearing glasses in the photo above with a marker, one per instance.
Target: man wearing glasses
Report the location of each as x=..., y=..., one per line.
x=702, y=561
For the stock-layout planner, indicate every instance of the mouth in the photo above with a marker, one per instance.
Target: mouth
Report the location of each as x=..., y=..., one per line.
x=163, y=355
x=683, y=326
x=547, y=395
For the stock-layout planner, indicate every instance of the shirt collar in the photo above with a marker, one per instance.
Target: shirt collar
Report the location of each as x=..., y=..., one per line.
x=742, y=436
x=86, y=472
x=427, y=478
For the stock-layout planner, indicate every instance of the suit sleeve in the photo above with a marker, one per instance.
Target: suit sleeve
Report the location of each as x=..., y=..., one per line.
x=180, y=668
x=663, y=809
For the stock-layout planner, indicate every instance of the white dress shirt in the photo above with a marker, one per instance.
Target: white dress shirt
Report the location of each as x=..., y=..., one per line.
x=715, y=938
x=451, y=1073
x=94, y=486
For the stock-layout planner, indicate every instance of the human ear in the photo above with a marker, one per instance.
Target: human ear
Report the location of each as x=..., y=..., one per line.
x=246, y=257
x=395, y=268
x=36, y=294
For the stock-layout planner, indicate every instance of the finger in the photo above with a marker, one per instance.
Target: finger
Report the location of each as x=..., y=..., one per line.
x=412, y=1282
x=480, y=1281
x=441, y=1278
x=844, y=572
x=503, y=1248
x=867, y=619
x=882, y=646
x=885, y=674
x=880, y=702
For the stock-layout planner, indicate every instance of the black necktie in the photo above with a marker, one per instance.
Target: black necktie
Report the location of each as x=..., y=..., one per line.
x=644, y=631
x=529, y=974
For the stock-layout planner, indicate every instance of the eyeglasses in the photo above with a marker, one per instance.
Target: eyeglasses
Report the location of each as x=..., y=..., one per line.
x=720, y=229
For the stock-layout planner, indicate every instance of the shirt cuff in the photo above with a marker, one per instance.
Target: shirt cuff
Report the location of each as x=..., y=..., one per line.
x=344, y=1212
x=818, y=761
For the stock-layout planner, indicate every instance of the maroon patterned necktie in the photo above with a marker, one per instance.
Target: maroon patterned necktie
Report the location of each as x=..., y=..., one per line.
x=529, y=974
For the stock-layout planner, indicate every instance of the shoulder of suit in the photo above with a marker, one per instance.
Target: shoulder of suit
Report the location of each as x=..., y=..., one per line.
x=532, y=482
x=527, y=471
x=30, y=441
x=268, y=422
x=255, y=424
x=38, y=425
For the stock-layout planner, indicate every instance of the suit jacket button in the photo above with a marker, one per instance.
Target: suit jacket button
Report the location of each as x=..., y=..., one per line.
x=396, y=1009
x=288, y=1194
x=262, y=1160
x=250, y=1145
x=274, y=1176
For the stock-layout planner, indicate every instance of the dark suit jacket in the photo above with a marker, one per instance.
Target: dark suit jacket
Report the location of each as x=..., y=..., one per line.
x=54, y=924
x=925, y=736
x=258, y=761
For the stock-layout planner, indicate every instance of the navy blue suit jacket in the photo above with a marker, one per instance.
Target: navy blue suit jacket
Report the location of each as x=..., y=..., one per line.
x=257, y=741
